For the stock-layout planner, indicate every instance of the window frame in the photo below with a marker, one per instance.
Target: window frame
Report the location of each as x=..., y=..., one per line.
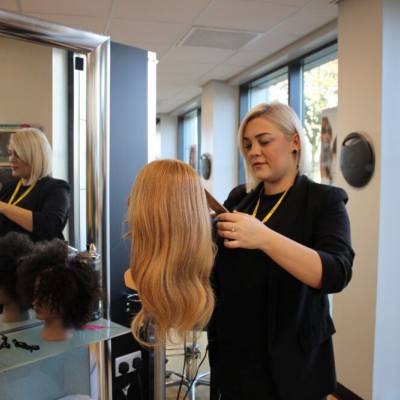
x=181, y=119
x=295, y=77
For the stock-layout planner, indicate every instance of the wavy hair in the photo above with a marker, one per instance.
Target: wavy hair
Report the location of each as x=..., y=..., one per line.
x=285, y=118
x=172, y=252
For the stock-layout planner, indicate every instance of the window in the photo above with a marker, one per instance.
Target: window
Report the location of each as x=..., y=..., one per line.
x=310, y=85
x=189, y=138
x=274, y=87
x=320, y=83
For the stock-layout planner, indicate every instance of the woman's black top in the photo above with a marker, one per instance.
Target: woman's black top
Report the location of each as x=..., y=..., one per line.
x=270, y=335
x=49, y=202
x=245, y=290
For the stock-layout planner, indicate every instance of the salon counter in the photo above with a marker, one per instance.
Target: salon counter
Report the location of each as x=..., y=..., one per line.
x=57, y=369
x=96, y=331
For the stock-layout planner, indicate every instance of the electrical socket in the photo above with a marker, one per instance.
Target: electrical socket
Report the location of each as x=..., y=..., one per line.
x=128, y=358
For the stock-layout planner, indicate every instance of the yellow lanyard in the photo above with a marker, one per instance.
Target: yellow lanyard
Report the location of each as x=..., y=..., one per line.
x=11, y=201
x=274, y=208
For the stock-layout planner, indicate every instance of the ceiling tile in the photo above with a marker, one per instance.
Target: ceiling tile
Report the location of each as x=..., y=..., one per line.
x=251, y=15
x=165, y=106
x=221, y=72
x=96, y=25
x=246, y=58
x=182, y=11
x=159, y=49
x=9, y=5
x=166, y=91
x=198, y=54
x=271, y=42
x=178, y=81
x=298, y=3
x=183, y=70
x=310, y=18
x=189, y=92
x=161, y=33
x=91, y=8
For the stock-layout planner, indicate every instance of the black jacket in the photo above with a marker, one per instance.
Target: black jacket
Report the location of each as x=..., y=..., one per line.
x=297, y=349
x=49, y=202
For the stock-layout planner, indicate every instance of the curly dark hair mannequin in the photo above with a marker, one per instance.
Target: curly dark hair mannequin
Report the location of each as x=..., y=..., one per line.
x=13, y=247
x=63, y=290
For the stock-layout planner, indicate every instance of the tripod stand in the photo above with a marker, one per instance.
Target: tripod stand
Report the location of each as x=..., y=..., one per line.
x=190, y=378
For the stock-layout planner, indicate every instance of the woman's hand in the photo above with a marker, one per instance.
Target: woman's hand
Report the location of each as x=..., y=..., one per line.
x=18, y=215
x=242, y=230
x=248, y=232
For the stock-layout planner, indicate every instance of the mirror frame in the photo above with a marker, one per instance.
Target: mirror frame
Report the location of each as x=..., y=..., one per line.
x=97, y=50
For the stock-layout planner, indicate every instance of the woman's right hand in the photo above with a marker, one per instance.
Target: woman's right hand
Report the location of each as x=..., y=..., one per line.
x=242, y=230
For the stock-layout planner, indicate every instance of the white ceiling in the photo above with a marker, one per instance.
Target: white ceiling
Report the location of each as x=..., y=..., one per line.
x=160, y=26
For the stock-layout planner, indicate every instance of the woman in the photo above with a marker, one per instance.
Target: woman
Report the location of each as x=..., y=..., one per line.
x=282, y=250
x=172, y=252
x=33, y=202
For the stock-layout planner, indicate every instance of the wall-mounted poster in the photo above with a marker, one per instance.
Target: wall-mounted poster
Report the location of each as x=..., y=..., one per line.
x=328, y=154
x=5, y=135
x=5, y=169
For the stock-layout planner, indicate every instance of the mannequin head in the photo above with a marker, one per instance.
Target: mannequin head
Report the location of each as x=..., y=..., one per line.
x=62, y=290
x=13, y=247
x=172, y=252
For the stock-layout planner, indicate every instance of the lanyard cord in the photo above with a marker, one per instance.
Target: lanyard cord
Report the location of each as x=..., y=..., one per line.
x=14, y=203
x=271, y=212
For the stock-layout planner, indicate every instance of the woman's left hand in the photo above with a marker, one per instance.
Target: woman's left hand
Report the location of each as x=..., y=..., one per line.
x=242, y=230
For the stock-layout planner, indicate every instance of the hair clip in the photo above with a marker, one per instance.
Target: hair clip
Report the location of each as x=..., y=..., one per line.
x=25, y=346
x=4, y=342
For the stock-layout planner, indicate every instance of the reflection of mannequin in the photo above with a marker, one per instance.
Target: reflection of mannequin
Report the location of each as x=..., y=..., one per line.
x=172, y=252
x=326, y=151
x=13, y=246
x=62, y=290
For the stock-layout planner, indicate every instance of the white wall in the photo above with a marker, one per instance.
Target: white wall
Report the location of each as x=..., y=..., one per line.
x=168, y=136
x=386, y=382
x=60, y=114
x=26, y=84
x=34, y=91
x=366, y=314
x=219, y=124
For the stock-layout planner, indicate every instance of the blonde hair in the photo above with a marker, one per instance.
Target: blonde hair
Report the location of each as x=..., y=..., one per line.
x=172, y=252
x=287, y=121
x=32, y=147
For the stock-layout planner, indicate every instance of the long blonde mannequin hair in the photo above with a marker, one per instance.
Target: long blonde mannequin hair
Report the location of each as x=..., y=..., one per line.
x=172, y=252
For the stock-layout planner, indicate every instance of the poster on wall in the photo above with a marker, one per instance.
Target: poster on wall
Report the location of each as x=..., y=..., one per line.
x=5, y=135
x=5, y=168
x=328, y=155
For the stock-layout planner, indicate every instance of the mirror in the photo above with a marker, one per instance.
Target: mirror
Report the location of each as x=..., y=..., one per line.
x=43, y=89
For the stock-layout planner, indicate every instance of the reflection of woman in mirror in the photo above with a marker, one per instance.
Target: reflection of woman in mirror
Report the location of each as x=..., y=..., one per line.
x=13, y=246
x=62, y=290
x=326, y=151
x=172, y=251
x=33, y=202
